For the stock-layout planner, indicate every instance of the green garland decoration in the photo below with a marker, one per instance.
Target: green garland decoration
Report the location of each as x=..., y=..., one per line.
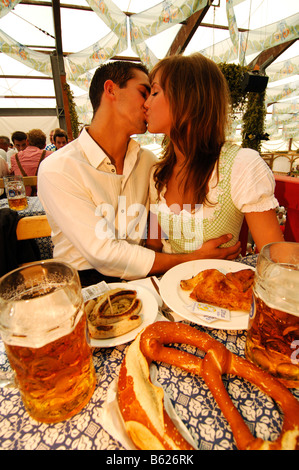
x=233, y=74
x=72, y=109
x=251, y=105
x=253, y=131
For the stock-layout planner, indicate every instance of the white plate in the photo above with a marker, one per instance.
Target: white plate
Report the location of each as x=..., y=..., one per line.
x=148, y=313
x=177, y=299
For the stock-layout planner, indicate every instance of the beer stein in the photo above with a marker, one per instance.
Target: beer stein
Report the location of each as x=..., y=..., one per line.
x=43, y=327
x=273, y=330
x=15, y=192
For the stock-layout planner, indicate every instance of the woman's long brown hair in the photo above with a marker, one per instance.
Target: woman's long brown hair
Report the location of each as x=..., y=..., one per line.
x=198, y=97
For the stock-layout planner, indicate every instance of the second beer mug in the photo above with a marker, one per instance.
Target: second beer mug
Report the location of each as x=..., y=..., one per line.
x=15, y=192
x=273, y=330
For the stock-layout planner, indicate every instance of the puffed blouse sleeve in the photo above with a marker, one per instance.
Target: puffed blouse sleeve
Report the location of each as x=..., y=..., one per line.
x=252, y=183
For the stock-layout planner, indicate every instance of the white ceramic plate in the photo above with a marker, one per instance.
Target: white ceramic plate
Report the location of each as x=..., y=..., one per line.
x=148, y=313
x=177, y=299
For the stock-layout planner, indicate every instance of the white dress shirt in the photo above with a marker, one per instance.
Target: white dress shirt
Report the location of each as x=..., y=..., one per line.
x=80, y=189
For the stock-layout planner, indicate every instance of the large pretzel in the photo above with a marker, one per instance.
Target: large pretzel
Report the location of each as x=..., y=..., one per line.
x=141, y=403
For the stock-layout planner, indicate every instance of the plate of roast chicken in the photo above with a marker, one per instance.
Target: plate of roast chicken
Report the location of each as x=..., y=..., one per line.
x=213, y=293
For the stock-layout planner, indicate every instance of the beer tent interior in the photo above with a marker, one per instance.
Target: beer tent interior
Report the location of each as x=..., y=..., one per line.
x=45, y=45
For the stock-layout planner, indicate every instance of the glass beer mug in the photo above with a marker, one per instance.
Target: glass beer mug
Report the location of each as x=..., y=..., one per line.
x=273, y=331
x=15, y=192
x=43, y=327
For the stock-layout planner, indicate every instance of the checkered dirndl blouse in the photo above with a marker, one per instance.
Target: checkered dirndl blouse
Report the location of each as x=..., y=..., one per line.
x=245, y=184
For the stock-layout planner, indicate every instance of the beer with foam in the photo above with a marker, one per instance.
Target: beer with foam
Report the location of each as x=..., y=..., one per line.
x=15, y=192
x=43, y=327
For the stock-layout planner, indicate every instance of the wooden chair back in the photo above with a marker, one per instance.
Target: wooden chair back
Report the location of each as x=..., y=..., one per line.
x=35, y=226
x=28, y=181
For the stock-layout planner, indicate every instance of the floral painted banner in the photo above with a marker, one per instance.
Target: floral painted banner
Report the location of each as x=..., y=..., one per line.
x=109, y=13
x=232, y=24
x=76, y=65
x=291, y=127
x=255, y=41
x=162, y=16
x=272, y=35
x=81, y=62
x=283, y=126
x=150, y=22
x=278, y=119
x=286, y=107
x=290, y=133
x=282, y=92
x=83, y=109
x=6, y=6
x=280, y=70
x=221, y=52
x=271, y=128
x=35, y=60
x=82, y=82
x=113, y=43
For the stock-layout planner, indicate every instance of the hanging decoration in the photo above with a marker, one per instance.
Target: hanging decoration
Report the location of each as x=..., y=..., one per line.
x=35, y=60
x=6, y=6
x=255, y=41
x=149, y=23
x=280, y=70
x=232, y=24
x=112, y=44
x=282, y=92
x=253, y=130
x=138, y=28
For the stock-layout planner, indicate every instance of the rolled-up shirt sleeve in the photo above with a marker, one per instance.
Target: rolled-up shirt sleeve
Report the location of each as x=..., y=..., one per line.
x=252, y=183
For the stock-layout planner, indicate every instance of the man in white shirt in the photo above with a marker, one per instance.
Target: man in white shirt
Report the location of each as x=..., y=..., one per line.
x=95, y=190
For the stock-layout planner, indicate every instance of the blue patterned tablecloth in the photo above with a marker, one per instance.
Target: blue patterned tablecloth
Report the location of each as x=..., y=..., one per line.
x=189, y=394
x=35, y=207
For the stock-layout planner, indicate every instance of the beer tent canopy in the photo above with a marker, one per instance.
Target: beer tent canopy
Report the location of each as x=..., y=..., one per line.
x=45, y=43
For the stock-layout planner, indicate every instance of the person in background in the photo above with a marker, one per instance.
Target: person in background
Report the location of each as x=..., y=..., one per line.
x=3, y=172
x=60, y=138
x=203, y=185
x=3, y=154
x=4, y=145
x=26, y=162
x=19, y=140
x=3, y=167
x=51, y=145
x=95, y=190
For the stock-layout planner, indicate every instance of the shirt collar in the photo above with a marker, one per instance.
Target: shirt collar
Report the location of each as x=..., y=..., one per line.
x=93, y=152
x=96, y=155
